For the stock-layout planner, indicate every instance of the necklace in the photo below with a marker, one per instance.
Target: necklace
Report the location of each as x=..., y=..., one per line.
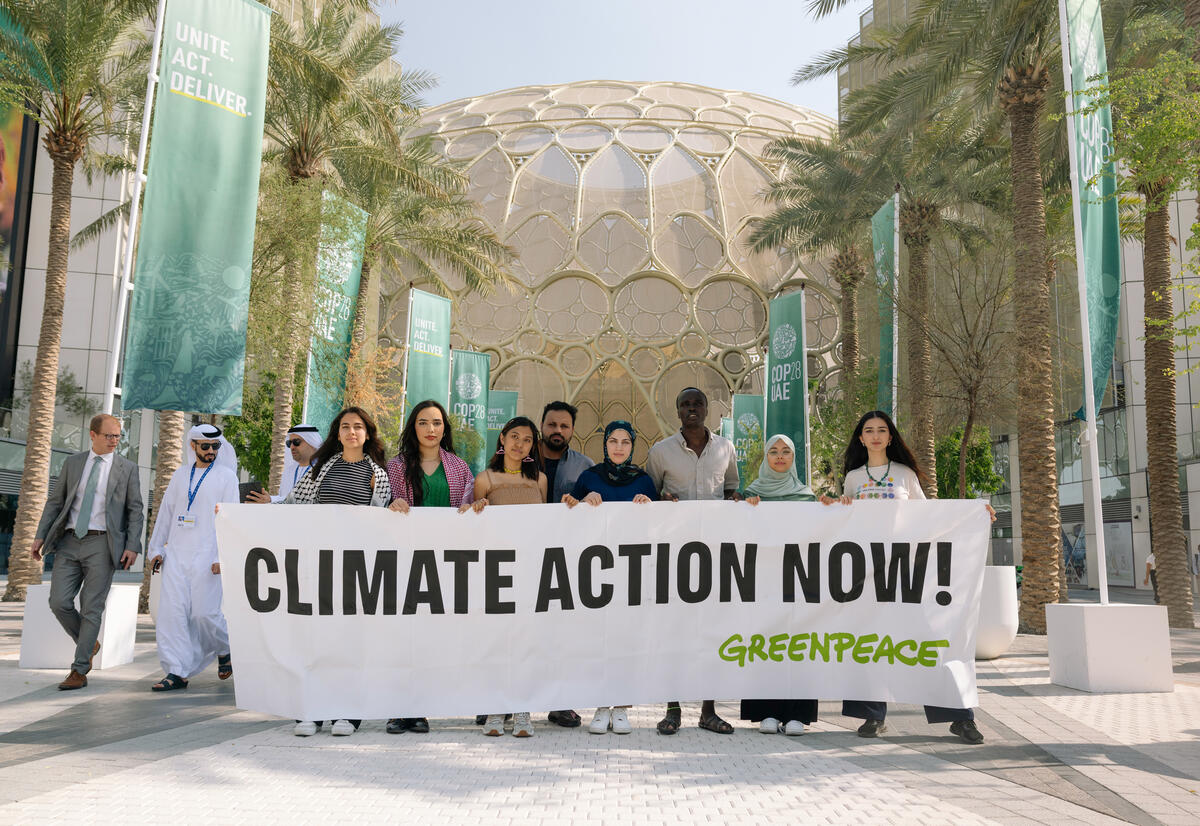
x=880, y=482
x=513, y=472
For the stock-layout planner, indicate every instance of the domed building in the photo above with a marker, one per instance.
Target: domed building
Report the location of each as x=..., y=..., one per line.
x=628, y=206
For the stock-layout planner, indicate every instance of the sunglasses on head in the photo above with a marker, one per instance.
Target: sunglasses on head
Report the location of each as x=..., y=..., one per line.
x=293, y=442
x=208, y=445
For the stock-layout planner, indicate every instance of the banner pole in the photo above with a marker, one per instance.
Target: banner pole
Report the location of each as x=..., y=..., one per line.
x=895, y=411
x=804, y=396
x=1090, y=440
x=139, y=178
x=407, y=350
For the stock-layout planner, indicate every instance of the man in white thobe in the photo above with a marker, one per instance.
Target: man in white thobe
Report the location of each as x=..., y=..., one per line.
x=191, y=629
x=302, y=443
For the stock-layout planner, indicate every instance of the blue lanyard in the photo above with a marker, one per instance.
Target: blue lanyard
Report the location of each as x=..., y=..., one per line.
x=192, y=493
x=297, y=473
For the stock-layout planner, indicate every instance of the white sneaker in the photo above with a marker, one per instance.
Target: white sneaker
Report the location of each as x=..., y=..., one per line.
x=620, y=721
x=769, y=726
x=305, y=728
x=342, y=728
x=522, y=725
x=794, y=728
x=494, y=725
x=601, y=720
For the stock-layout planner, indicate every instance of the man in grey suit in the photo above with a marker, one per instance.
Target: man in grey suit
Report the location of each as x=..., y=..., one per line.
x=93, y=525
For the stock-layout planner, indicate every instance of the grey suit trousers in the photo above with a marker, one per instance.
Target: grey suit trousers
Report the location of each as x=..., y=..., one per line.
x=83, y=567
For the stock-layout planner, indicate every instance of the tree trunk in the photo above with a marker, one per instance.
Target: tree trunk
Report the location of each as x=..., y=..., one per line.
x=358, y=333
x=1167, y=538
x=1191, y=19
x=916, y=221
x=23, y=569
x=285, y=381
x=962, y=448
x=848, y=271
x=360, y=387
x=1023, y=96
x=170, y=454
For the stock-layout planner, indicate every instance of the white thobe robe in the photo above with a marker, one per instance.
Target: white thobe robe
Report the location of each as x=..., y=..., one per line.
x=191, y=629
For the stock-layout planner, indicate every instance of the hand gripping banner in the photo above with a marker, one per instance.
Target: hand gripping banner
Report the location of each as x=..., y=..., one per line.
x=356, y=612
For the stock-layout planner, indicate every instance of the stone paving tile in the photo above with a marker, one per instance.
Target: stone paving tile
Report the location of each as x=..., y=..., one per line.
x=116, y=753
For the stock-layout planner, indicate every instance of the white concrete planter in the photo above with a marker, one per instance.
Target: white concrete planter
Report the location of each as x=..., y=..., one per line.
x=44, y=643
x=997, y=612
x=1109, y=648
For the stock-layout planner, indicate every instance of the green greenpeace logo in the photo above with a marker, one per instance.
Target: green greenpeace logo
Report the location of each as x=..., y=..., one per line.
x=814, y=647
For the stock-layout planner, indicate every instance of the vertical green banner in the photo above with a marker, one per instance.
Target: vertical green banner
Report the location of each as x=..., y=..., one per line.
x=747, y=424
x=727, y=427
x=470, y=376
x=186, y=345
x=427, y=362
x=502, y=406
x=1099, y=221
x=339, y=269
x=883, y=244
x=787, y=396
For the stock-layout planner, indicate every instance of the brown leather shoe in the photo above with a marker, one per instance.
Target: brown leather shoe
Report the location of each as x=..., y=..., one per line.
x=95, y=651
x=74, y=680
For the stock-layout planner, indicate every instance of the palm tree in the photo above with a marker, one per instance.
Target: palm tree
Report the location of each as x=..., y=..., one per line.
x=329, y=92
x=822, y=203
x=996, y=53
x=62, y=61
x=168, y=457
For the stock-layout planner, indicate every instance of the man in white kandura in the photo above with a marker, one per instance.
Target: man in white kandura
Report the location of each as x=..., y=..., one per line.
x=191, y=629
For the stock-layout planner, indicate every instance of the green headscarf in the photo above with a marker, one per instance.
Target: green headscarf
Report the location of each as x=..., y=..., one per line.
x=773, y=486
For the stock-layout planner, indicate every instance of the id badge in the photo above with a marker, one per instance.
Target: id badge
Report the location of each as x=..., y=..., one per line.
x=186, y=520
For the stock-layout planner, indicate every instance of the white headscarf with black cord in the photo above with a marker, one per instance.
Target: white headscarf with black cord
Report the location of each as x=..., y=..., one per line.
x=226, y=455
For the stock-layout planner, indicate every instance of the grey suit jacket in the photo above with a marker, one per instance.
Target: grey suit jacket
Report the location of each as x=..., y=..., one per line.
x=122, y=513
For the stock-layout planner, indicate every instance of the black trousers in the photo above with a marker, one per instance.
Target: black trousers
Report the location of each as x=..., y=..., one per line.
x=875, y=710
x=785, y=710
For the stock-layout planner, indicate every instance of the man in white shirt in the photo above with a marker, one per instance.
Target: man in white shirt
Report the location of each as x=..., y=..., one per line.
x=694, y=463
x=92, y=524
x=302, y=443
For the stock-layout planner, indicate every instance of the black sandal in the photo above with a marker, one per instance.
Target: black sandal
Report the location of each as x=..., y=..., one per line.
x=171, y=682
x=567, y=718
x=224, y=666
x=670, y=723
x=715, y=724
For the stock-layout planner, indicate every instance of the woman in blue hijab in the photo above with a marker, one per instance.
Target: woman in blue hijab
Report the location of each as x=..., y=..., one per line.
x=616, y=479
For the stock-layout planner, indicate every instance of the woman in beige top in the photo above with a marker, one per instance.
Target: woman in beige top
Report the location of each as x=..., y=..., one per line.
x=513, y=477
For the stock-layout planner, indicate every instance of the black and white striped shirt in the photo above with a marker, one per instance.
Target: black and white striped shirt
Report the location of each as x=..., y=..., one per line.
x=346, y=483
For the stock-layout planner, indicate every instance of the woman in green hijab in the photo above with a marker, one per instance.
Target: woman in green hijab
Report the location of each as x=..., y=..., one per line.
x=778, y=482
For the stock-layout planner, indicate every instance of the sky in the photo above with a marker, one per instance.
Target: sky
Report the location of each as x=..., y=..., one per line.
x=479, y=46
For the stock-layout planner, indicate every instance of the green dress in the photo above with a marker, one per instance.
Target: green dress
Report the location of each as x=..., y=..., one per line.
x=436, y=489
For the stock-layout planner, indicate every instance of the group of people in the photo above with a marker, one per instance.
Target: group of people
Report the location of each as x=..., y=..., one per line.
x=349, y=467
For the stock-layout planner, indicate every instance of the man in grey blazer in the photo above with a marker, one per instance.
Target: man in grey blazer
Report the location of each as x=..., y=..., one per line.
x=93, y=525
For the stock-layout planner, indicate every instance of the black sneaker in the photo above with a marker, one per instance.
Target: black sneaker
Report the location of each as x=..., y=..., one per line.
x=967, y=732
x=397, y=725
x=417, y=725
x=566, y=718
x=872, y=728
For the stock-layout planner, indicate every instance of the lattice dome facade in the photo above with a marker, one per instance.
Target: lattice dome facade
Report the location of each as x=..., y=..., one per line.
x=628, y=206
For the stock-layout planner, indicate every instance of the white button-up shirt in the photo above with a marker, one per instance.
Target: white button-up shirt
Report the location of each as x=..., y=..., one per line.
x=97, y=522
x=678, y=471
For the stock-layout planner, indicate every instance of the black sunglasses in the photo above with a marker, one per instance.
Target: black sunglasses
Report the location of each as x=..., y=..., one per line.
x=293, y=442
x=208, y=445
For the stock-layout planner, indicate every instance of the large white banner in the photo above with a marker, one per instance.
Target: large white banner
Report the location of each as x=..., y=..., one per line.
x=338, y=611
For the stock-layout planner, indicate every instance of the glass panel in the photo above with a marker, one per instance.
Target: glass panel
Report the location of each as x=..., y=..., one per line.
x=742, y=182
x=721, y=116
x=651, y=310
x=615, y=181
x=707, y=141
x=731, y=313
x=685, y=96
x=546, y=184
x=541, y=246
x=488, y=181
x=770, y=123
x=646, y=138
x=468, y=146
x=526, y=141
x=689, y=249
x=513, y=116
x=571, y=308
x=585, y=137
x=682, y=183
x=563, y=112
x=617, y=110
x=592, y=95
x=613, y=248
x=668, y=113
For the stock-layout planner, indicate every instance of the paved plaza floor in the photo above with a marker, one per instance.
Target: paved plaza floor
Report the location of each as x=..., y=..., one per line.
x=116, y=753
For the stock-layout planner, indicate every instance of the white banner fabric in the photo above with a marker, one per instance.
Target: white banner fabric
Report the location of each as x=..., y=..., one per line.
x=353, y=612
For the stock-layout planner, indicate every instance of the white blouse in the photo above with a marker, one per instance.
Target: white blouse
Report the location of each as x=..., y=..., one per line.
x=894, y=482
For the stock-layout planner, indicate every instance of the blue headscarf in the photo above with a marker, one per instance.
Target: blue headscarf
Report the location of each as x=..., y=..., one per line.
x=626, y=472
